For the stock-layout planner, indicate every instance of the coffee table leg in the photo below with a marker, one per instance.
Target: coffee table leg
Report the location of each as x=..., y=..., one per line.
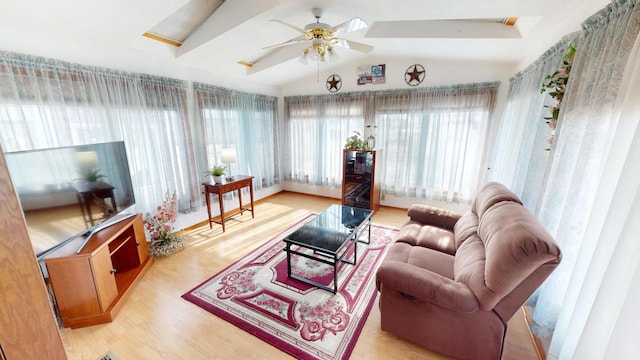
x=288, y=248
x=355, y=251
x=335, y=274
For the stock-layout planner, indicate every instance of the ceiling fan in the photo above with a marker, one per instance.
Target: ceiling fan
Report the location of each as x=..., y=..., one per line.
x=323, y=37
x=317, y=41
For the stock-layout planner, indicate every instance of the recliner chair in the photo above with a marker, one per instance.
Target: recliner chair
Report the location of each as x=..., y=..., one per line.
x=451, y=282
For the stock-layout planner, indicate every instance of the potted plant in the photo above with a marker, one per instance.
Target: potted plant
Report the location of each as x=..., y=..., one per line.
x=92, y=177
x=217, y=173
x=355, y=143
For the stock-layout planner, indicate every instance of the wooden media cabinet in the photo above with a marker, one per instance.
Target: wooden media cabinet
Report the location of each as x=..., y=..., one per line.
x=90, y=286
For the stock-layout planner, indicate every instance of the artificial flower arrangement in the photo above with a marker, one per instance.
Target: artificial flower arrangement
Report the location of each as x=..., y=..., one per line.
x=159, y=228
x=555, y=84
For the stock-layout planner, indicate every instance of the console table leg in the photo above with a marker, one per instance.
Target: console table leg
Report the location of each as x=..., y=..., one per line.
x=221, y=201
x=208, y=198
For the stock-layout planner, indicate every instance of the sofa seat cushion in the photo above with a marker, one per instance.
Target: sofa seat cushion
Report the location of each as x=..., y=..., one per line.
x=422, y=257
x=417, y=234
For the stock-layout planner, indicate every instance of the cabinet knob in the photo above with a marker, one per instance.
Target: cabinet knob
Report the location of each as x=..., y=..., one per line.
x=138, y=243
x=113, y=271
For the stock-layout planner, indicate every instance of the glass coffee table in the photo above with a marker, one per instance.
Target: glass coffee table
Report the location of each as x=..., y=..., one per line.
x=327, y=238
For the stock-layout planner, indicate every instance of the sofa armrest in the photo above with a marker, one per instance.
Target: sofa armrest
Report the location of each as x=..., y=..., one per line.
x=424, y=285
x=429, y=215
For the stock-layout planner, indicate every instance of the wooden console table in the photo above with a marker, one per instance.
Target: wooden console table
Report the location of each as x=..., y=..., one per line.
x=86, y=195
x=237, y=183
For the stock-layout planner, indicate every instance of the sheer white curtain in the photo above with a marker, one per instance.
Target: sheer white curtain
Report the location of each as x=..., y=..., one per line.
x=433, y=139
x=317, y=128
x=594, y=162
x=600, y=314
x=241, y=121
x=586, y=198
x=583, y=140
x=49, y=103
x=519, y=155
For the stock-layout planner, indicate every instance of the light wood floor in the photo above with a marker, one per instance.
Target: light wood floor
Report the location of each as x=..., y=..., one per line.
x=156, y=323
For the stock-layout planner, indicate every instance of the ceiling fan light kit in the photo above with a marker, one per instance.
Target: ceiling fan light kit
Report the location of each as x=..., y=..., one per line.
x=322, y=39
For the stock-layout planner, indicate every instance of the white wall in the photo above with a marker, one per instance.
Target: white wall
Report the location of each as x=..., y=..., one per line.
x=439, y=72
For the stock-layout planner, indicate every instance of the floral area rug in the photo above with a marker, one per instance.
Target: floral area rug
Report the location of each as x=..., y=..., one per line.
x=256, y=295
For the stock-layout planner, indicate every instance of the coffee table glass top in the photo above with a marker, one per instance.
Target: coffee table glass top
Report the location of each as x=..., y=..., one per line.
x=329, y=231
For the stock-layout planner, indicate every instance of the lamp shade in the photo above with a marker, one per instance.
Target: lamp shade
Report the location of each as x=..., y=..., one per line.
x=228, y=156
x=88, y=159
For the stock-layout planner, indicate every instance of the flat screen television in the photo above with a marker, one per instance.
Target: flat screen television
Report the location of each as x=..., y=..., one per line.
x=68, y=192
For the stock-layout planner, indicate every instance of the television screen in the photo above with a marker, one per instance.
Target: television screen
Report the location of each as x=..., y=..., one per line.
x=66, y=192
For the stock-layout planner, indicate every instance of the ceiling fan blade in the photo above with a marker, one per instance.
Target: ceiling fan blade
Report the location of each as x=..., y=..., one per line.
x=354, y=24
x=296, y=40
x=296, y=28
x=355, y=45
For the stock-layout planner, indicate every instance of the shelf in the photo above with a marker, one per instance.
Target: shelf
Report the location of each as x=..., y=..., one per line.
x=114, y=246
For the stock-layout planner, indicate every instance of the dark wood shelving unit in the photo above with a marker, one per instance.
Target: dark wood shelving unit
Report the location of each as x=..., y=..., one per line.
x=360, y=179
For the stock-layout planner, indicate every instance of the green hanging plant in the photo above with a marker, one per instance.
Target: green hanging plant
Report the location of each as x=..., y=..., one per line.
x=555, y=85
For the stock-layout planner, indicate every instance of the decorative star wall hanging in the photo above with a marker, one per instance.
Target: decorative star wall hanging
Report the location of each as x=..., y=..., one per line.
x=334, y=83
x=414, y=75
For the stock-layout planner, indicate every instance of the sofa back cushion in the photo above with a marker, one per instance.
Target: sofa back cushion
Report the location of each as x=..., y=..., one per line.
x=491, y=194
x=464, y=228
x=510, y=246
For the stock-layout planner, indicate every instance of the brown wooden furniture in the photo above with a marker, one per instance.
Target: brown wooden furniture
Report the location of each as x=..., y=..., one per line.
x=360, y=179
x=87, y=195
x=28, y=328
x=237, y=183
x=91, y=286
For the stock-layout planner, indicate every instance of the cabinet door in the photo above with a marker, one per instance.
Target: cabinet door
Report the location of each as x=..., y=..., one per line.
x=357, y=179
x=141, y=240
x=104, y=277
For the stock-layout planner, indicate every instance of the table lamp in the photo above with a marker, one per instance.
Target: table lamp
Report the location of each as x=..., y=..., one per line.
x=229, y=156
x=87, y=159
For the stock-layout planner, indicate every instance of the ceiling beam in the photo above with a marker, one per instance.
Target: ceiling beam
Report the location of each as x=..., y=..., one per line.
x=227, y=16
x=446, y=29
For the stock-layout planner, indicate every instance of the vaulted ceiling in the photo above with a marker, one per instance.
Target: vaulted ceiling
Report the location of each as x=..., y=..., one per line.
x=229, y=36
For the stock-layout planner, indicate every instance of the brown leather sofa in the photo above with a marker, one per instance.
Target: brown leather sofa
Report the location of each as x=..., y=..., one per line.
x=451, y=282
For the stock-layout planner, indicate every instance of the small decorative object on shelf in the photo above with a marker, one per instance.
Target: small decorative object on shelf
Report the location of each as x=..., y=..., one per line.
x=555, y=84
x=356, y=143
x=371, y=141
x=159, y=227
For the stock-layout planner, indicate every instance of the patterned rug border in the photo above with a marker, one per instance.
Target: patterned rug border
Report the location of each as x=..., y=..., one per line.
x=257, y=331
